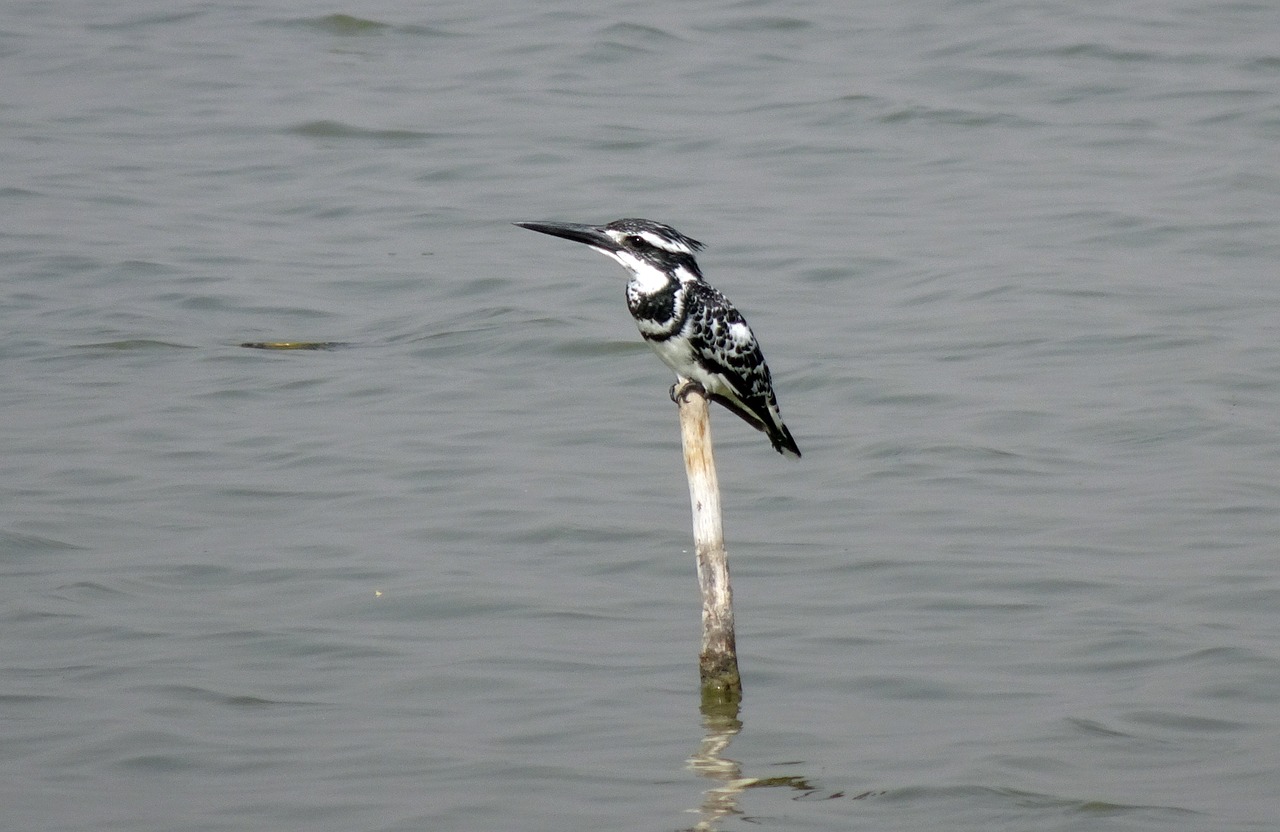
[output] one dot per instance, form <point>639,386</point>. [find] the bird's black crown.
<point>641,233</point>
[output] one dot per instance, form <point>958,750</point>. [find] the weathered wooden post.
<point>718,662</point>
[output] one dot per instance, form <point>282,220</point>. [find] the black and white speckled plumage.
<point>692,327</point>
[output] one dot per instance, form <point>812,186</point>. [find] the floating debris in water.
<point>294,345</point>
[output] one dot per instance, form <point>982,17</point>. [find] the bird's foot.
<point>685,387</point>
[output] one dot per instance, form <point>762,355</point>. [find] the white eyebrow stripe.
<point>658,241</point>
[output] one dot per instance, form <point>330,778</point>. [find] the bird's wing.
<point>726,344</point>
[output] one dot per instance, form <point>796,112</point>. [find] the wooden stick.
<point>718,662</point>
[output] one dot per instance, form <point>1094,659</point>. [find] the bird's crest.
<point>655,234</point>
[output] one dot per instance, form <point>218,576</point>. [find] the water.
<point>1013,266</point>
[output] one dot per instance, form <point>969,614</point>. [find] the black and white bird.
<point>690,325</point>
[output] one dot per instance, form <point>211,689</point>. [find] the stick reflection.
<point>721,724</point>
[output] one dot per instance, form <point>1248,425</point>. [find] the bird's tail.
<point>782,441</point>
<point>766,423</point>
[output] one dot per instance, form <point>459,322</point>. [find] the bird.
<point>692,327</point>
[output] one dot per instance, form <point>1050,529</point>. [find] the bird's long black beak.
<point>579,233</point>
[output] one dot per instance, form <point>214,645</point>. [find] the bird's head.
<point>642,246</point>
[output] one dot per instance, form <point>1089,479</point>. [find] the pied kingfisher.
<point>691,326</point>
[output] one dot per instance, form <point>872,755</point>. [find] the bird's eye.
<point>636,241</point>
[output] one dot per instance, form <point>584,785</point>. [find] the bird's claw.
<point>683,388</point>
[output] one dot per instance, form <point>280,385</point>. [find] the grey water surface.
<point>1014,266</point>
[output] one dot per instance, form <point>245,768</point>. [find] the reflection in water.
<point>721,724</point>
